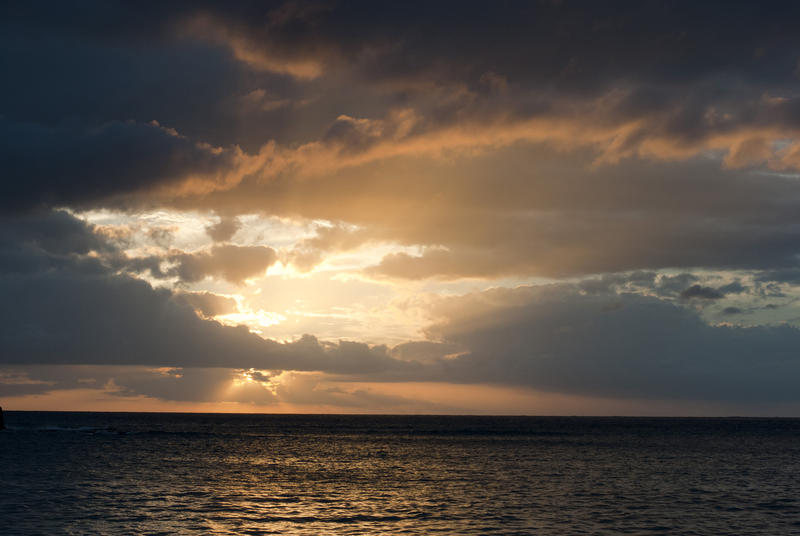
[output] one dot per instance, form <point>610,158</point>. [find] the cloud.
<point>228,262</point>
<point>73,310</point>
<point>254,47</point>
<point>315,389</point>
<point>222,386</point>
<point>164,383</point>
<point>671,108</point>
<point>53,166</point>
<point>381,42</point>
<point>555,152</point>
<point>562,243</point>
<point>207,304</point>
<point>503,164</point>
<point>71,317</point>
<point>49,241</point>
<point>310,252</point>
<point>617,282</point>
<point>786,275</point>
<point>232,263</point>
<point>56,233</point>
<point>673,285</point>
<point>69,307</point>
<point>82,65</point>
<point>224,229</point>
<point>554,338</point>
<point>189,384</point>
<point>702,293</point>
<point>405,77</point>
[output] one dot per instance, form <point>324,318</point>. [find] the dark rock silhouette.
<point>2,423</point>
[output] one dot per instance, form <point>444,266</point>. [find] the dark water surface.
<point>136,473</point>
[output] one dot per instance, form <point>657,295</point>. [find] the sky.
<point>542,207</point>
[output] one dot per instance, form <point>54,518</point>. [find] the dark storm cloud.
<point>97,62</point>
<point>662,41</point>
<point>55,233</point>
<point>634,37</point>
<point>49,241</point>
<point>72,165</point>
<point>556,339</point>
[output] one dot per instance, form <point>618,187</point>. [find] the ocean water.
<point>136,473</point>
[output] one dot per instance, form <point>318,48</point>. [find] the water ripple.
<point>309,475</point>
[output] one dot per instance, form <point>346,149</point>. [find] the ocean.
<point>140,473</point>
